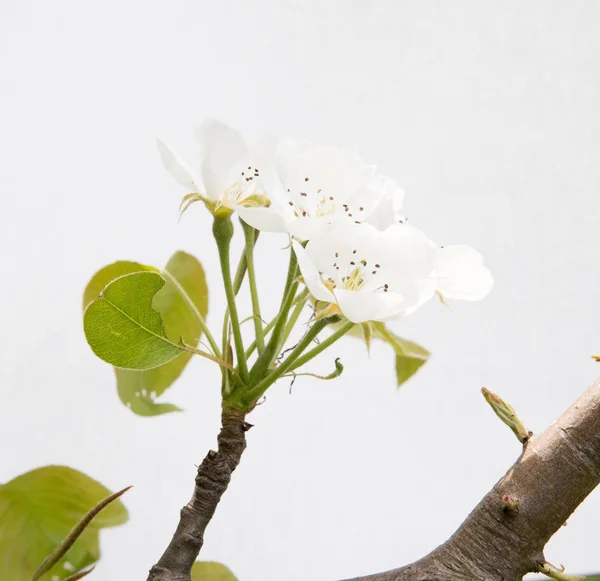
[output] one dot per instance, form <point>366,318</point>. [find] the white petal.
<point>305,228</point>
<point>415,295</point>
<point>460,273</point>
<point>264,219</point>
<point>311,275</point>
<point>405,254</point>
<point>360,307</point>
<point>388,207</point>
<point>223,155</point>
<point>177,168</point>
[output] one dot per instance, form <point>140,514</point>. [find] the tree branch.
<point>212,480</point>
<point>504,537</point>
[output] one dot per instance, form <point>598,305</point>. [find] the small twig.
<point>507,414</point>
<point>75,533</point>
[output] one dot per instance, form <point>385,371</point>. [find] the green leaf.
<point>123,329</point>
<point>182,303</point>
<point>109,273</point>
<point>37,511</point>
<point>410,356</point>
<point>211,571</point>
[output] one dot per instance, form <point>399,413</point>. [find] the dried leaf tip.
<point>557,573</point>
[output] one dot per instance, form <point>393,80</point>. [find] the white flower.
<point>374,275</point>
<point>311,185</point>
<point>371,275</point>
<point>228,178</point>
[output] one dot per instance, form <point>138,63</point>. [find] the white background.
<point>486,112</point>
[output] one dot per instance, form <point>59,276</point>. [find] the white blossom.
<point>312,185</point>
<point>373,275</point>
<point>227,178</point>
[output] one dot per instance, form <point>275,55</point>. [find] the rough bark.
<point>212,479</point>
<point>498,542</point>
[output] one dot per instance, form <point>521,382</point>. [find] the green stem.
<point>262,364</point>
<point>240,273</point>
<point>323,345</point>
<point>253,394</point>
<point>223,233</point>
<point>267,328</point>
<point>299,301</point>
<point>258,328</point>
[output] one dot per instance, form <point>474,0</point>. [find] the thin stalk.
<point>322,345</point>
<point>299,297</point>
<point>267,328</point>
<point>262,364</point>
<point>258,327</point>
<point>300,301</point>
<point>240,273</point>
<point>223,232</point>
<point>256,392</point>
<point>226,386</point>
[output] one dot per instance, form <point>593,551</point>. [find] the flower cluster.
<point>357,255</point>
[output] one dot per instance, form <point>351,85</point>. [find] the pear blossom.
<point>370,275</point>
<point>227,179</point>
<point>373,275</point>
<point>311,185</point>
